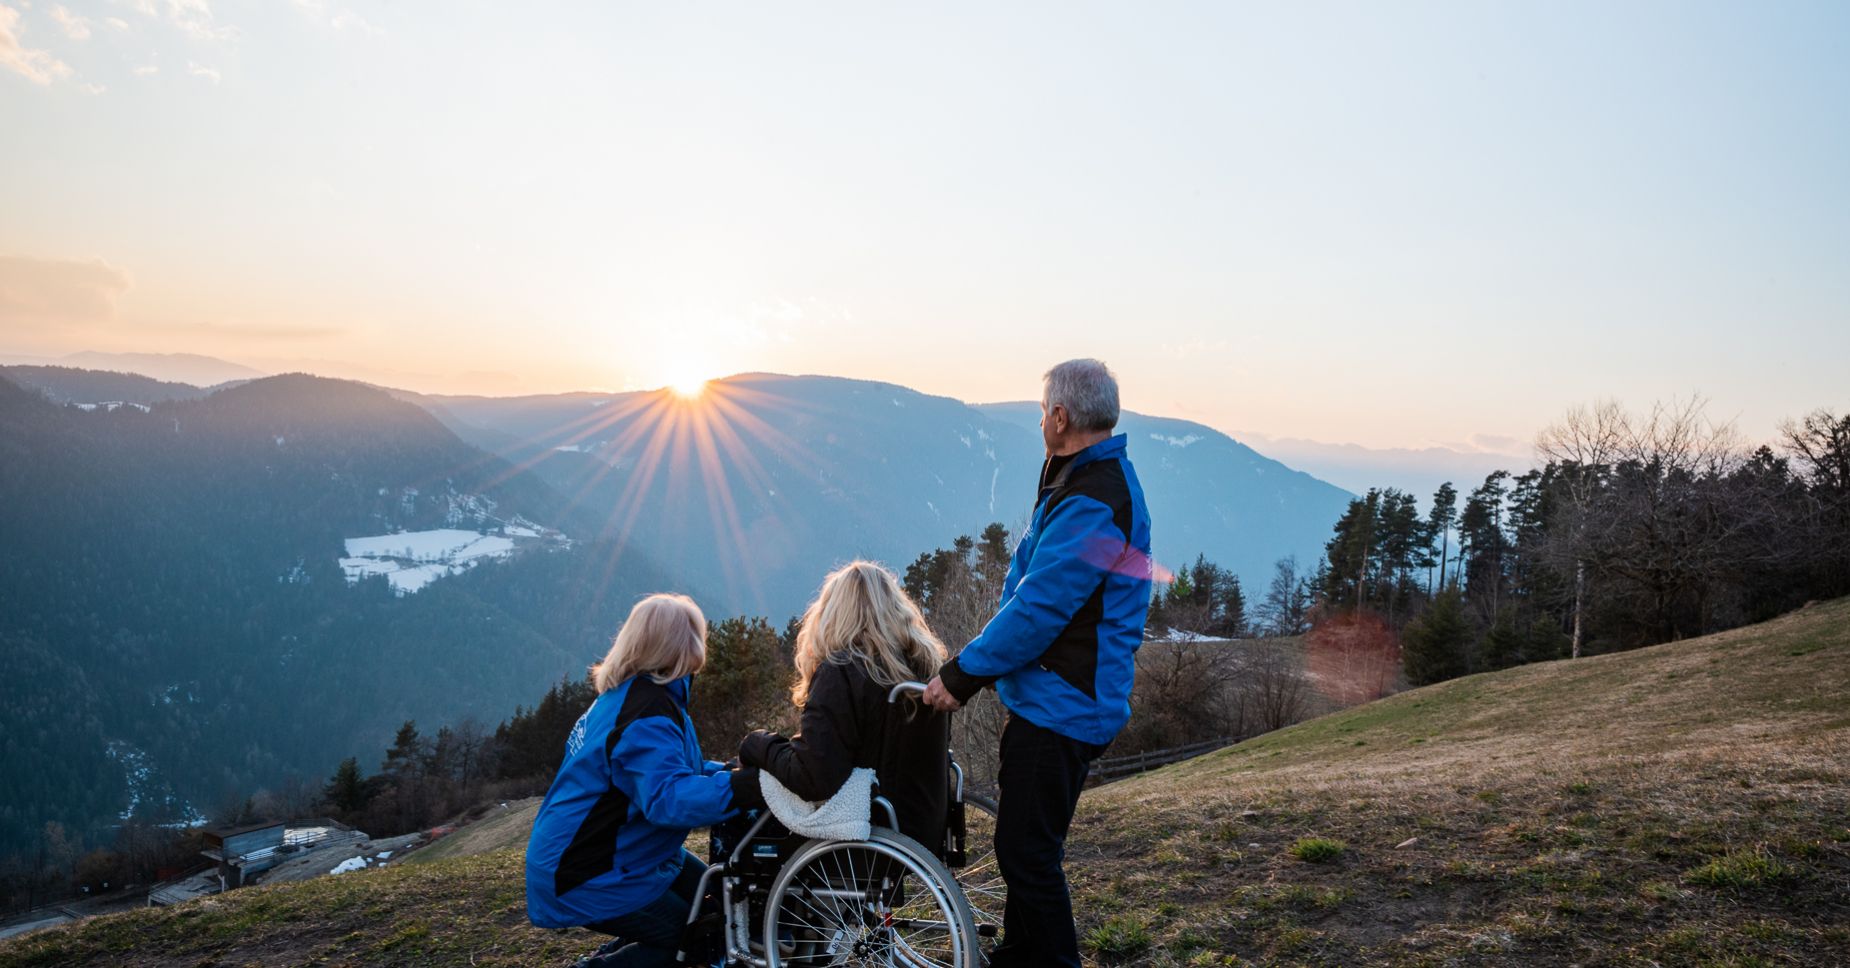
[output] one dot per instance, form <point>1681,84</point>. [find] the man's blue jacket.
<point>1063,648</point>
<point>608,836</point>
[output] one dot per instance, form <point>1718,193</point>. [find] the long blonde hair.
<point>665,638</point>
<point>862,612</point>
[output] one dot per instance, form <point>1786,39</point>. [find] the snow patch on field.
<point>410,560</point>
<point>442,544</point>
<point>1177,441</point>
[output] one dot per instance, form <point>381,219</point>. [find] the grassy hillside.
<point>1686,804</point>
<point>1682,805</point>
<point>500,828</point>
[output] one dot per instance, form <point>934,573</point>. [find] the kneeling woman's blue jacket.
<point>608,836</point>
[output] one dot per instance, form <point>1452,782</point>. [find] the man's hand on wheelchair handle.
<point>940,698</point>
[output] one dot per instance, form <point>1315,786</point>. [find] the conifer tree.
<point>1351,551</point>
<point>407,754</point>
<point>346,791</point>
<point>993,554</point>
<point>1439,522</point>
<point>744,685</point>
<point>1433,646</point>
<point>1230,609</point>
<point>1482,542</point>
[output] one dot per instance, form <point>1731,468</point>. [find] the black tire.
<point>881,901</point>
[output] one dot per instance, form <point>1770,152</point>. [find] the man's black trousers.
<point>1041,775</point>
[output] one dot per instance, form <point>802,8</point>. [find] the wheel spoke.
<point>867,903</point>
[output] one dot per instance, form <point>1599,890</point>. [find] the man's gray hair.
<point>1087,389</point>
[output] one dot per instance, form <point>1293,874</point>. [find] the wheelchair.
<point>771,899</point>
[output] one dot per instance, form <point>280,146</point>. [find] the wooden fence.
<point>1109,768</point>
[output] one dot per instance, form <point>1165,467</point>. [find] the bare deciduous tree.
<point>1585,442</point>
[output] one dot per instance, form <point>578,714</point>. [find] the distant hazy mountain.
<point>68,384</point>
<point>805,472</point>
<point>178,622</point>
<point>1210,494</point>
<point>203,371</point>
<point>1418,471</point>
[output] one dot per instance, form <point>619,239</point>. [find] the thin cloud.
<point>199,70</point>
<point>342,19</point>
<point>195,18</point>
<point>146,69</point>
<point>75,27</point>
<point>116,22</point>
<point>94,88</point>
<point>37,66</point>
<point>59,290</point>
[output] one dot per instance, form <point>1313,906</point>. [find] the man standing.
<point>1061,652</point>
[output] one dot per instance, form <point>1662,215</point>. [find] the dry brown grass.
<point>1556,812</point>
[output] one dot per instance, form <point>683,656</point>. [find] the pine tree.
<point>993,554</point>
<point>1433,646</point>
<point>407,754</point>
<point>1231,609</point>
<point>1439,522</point>
<point>1482,543</point>
<point>346,791</point>
<point>744,685</point>
<point>1503,644</point>
<point>1398,536</point>
<point>1351,551</point>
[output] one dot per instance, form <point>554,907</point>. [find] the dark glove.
<point>755,748</point>
<point>746,794</point>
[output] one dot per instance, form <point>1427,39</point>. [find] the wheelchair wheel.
<point>980,878</point>
<point>881,901</point>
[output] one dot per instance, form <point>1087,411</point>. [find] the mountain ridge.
<point>1207,500</point>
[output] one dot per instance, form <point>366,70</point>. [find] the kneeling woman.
<point>860,637</point>
<point>606,847</point>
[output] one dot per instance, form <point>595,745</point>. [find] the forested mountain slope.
<point>69,384</point>
<point>178,627</point>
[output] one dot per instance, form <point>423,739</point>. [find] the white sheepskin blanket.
<point>844,816</point>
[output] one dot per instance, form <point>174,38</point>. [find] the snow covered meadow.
<point>410,560</point>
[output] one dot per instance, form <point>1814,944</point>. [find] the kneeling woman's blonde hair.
<point>862,611</point>
<point>665,638</point>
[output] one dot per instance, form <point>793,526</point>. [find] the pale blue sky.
<point>1394,224</point>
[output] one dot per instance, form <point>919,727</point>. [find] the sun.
<point>687,379</point>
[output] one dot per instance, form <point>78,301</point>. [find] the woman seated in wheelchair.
<point>606,851</point>
<point>861,636</point>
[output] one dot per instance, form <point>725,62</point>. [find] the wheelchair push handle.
<point>904,687</point>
